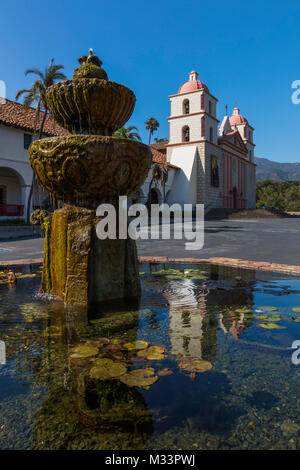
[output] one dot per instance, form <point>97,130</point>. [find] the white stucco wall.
<point>194,123</point>
<point>177,103</point>
<point>184,187</point>
<point>13,186</point>
<point>12,152</point>
<point>15,171</point>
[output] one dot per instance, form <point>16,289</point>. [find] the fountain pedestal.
<point>81,268</point>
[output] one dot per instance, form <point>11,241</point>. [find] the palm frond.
<point>20,93</point>
<point>126,133</point>
<point>35,72</point>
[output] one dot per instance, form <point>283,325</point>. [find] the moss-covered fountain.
<point>82,170</point>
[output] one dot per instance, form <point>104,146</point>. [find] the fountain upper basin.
<point>90,105</point>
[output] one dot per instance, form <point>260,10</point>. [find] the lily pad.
<point>261,317</point>
<point>194,364</point>
<point>83,351</point>
<point>181,273</point>
<point>99,372</point>
<point>268,308</point>
<point>273,318</point>
<point>117,369</point>
<point>139,345</point>
<point>270,326</point>
<point>164,371</point>
<point>141,378</point>
<point>296,309</point>
<point>155,357</point>
<point>107,369</point>
<point>153,353</point>
<point>142,373</point>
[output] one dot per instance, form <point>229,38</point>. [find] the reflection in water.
<point>244,399</point>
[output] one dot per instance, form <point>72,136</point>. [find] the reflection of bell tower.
<point>187,313</point>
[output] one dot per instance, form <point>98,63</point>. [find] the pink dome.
<point>237,118</point>
<point>193,84</point>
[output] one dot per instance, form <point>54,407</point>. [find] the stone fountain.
<point>82,170</point>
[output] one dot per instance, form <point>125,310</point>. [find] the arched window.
<point>3,190</point>
<point>211,134</point>
<point>185,134</point>
<point>209,107</point>
<point>186,107</point>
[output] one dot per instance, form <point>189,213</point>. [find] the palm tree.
<point>127,133</point>
<point>37,95</point>
<point>159,175</point>
<point>160,139</point>
<point>151,125</point>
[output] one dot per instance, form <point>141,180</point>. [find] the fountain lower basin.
<point>95,166</point>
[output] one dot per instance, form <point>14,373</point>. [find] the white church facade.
<point>208,164</point>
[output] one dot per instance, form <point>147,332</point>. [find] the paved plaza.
<point>269,240</point>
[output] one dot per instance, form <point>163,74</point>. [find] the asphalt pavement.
<point>271,240</point>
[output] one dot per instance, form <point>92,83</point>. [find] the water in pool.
<point>203,362</point>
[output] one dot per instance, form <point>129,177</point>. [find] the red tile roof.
<point>161,146</point>
<point>160,157</point>
<point>12,114</point>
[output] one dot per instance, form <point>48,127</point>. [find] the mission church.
<point>207,163</point>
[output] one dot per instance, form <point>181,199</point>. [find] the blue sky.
<point>248,54</point>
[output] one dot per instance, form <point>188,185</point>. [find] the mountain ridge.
<point>269,170</point>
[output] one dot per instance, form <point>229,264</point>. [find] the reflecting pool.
<point>203,362</point>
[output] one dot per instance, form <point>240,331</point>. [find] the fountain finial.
<point>90,59</point>
<point>90,67</point>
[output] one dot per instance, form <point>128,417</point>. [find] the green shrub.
<point>282,195</point>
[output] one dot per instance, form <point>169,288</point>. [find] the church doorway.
<point>153,196</point>
<point>234,193</point>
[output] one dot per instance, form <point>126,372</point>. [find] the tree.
<point>164,139</point>
<point>278,195</point>
<point>127,133</point>
<point>159,175</point>
<point>37,95</point>
<point>151,125</point>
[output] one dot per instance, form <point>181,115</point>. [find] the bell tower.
<point>193,114</point>
<point>239,122</point>
<point>193,145</point>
